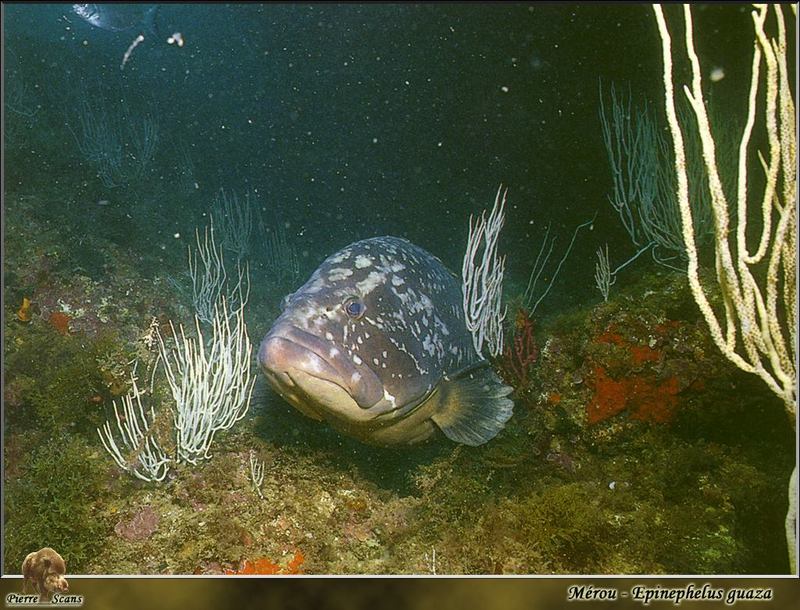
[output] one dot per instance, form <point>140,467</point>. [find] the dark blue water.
<point>361,120</point>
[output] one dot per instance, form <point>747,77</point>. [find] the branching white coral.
<point>211,383</point>
<point>483,283</point>
<point>149,462</point>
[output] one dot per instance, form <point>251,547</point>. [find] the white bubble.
<point>176,39</point>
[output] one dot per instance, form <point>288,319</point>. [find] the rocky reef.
<point>635,447</point>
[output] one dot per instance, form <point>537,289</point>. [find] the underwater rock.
<point>140,527</point>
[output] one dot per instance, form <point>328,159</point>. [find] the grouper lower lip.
<point>287,350</point>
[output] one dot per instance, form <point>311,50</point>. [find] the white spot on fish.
<point>356,359</point>
<point>315,286</point>
<point>372,281</point>
<point>312,365</point>
<point>363,261</point>
<point>390,398</point>
<point>339,273</point>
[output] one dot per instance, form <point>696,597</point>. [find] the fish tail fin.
<point>471,409</point>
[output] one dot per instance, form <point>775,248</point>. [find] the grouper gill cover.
<point>375,343</point>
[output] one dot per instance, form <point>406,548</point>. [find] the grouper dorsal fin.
<point>472,407</point>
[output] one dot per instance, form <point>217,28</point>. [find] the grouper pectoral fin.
<point>472,407</point>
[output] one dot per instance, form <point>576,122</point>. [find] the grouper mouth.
<point>317,377</point>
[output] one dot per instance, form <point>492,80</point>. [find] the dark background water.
<point>360,120</point>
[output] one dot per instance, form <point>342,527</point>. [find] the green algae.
<point>56,501</point>
<point>73,376</point>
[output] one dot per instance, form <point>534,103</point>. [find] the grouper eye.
<point>354,308</point>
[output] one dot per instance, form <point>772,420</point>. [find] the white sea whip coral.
<point>208,281</point>
<point>483,285</point>
<point>211,383</point>
<point>756,327</point>
<point>150,462</point>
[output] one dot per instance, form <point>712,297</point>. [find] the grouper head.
<point>368,337</point>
